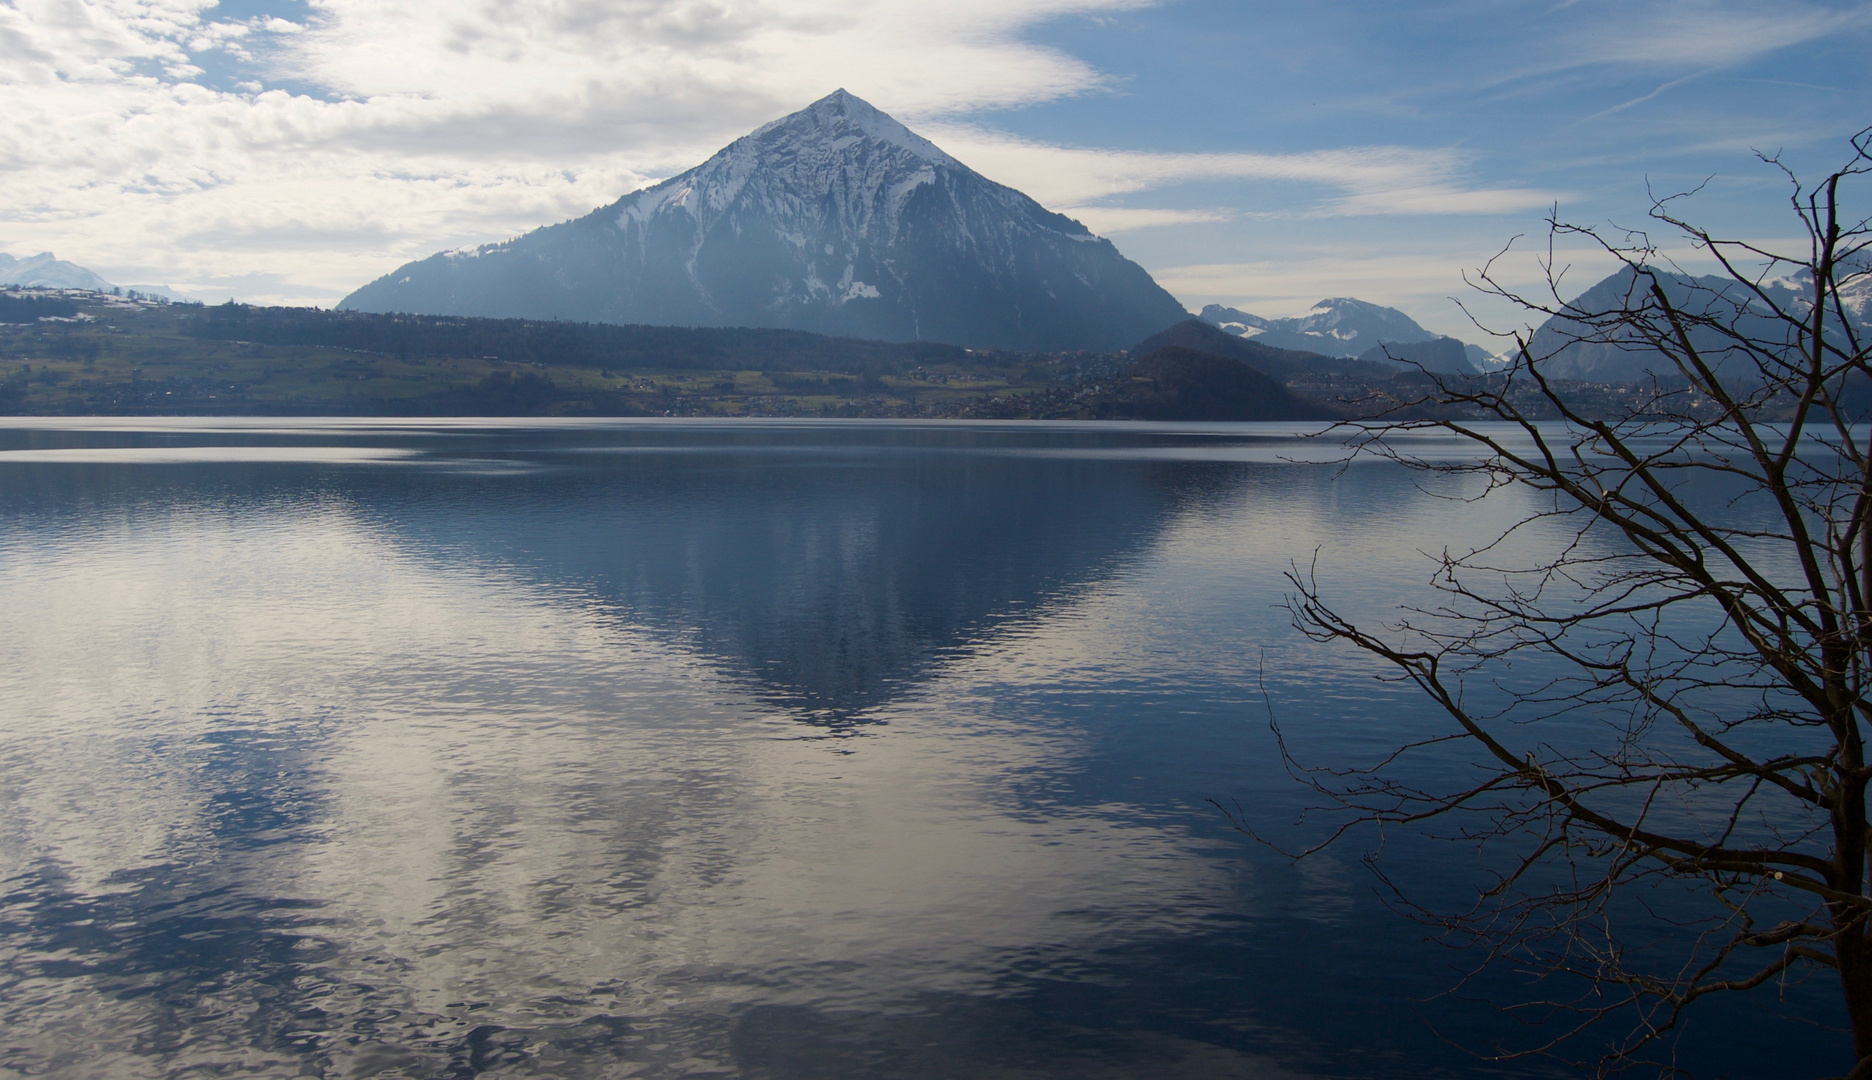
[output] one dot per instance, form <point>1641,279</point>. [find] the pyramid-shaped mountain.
<point>836,219</point>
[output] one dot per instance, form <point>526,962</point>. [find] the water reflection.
<point>485,756</point>
<point>397,813</point>
<point>830,582</point>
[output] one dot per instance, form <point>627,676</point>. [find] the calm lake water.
<point>763,749</point>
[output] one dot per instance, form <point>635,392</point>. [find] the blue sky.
<point>1258,154</point>
<point>1587,102</point>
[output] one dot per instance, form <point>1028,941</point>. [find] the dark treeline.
<point>596,345</point>
<point>28,309</point>
<point>1177,383</point>
<point>506,394</point>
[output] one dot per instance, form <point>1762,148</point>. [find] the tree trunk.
<point>1854,954</point>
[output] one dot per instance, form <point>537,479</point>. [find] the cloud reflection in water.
<point>677,749</point>
<point>298,774</point>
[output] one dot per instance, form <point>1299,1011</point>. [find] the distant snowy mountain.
<point>1236,322</point>
<point>1856,297</point>
<point>162,292</point>
<point>1444,355</point>
<point>1483,360</point>
<point>1855,289</point>
<point>1343,326</point>
<point>1575,345</point>
<point>45,272</point>
<point>1340,326</point>
<point>836,219</point>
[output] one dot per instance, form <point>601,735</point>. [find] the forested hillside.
<point>75,353</point>
<point>527,341</point>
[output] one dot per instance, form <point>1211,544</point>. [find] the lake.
<point>671,748</point>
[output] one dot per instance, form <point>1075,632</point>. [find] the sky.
<point>1260,155</point>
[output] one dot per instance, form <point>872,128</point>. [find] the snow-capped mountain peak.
<point>842,115</point>
<point>1353,321</point>
<point>1235,321</point>
<point>49,272</point>
<point>839,153</point>
<point>1336,326</point>
<point>836,219</point>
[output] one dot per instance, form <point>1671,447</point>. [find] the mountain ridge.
<point>46,271</point>
<point>1335,326</point>
<point>1347,326</point>
<point>1582,343</point>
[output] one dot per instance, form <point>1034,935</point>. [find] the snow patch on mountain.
<point>837,165</point>
<point>846,119</point>
<point>1337,326</point>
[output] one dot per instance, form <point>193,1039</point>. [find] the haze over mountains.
<point>836,219</point>
<point>45,271</point>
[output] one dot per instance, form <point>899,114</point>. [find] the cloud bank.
<point>151,137</point>
<point>1345,182</point>
<point>290,159</point>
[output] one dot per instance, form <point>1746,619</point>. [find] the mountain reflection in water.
<point>461,750</point>
<point>828,583</point>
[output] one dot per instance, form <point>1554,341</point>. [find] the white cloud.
<point>340,623</point>
<point>1425,281</point>
<point>1343,182</point>
<point>1106,220</point>
<point>372,133</point>
<point>1701,33</point>
<point>1275,287</point>
<point>392,131</point>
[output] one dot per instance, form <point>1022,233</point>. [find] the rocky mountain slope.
<point>836,219</point>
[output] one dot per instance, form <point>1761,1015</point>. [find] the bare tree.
<point>1662,716</point>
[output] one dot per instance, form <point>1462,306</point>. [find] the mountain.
<point>1204,337</point>
<point>1444,356</point>
<point>1234,320</point>
<point>42,271</point>
<point>836,219</point>
<point>160,292</point>
<point>1583,345</point>
<point>1856,296</point>
<point>1483,360</point>
<point>1340,326</point>
<point>1179,383</point>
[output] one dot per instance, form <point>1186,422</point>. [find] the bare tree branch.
<point>1689,714</point>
